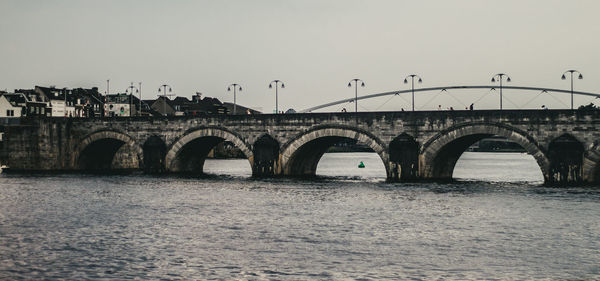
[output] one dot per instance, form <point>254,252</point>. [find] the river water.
<point>497,222</point>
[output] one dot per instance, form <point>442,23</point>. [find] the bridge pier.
<point>565,154</point>
<point>155,150</point>
<point>404,159</point>
<point>266,160</point>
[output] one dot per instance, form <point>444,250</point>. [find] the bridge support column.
<point>566,161</point>
<point>267,159</point>
<point>266,167</point>
<point>404,159</point>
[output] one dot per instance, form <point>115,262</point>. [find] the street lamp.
<point>499,76</point>
<point>140,89</point>
<point>362,84</point>
<point>276,98</point>
<point>130,91</point>
<point>164,91</point>
<point>235,88</point>
<point>563,78</point>
<point>412,78</point>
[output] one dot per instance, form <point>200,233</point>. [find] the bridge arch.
<point>301,155</point>
<point>440,153</point>
<point>591,163</point>
<point>189,152</point>
<point>107,150</point>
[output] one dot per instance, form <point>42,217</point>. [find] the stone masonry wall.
<point>54,143</point>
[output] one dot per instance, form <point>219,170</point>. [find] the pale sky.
<point>315,47</point>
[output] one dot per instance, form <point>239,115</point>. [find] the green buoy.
<point>361,164</point>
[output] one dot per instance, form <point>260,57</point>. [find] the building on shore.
<point>12,105</point>
<point>65,102</point>
<point>80,102</point>
<point>162,105</point>
<point>198,106</point>
<point>123,105</point>
<point>239,109</point>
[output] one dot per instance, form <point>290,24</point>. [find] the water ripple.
<point>214,228</point>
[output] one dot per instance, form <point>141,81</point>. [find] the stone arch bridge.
<point>412,145</point>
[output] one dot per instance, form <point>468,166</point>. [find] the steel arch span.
<point>446,88</point>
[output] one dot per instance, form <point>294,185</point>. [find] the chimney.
<point>197,98</point>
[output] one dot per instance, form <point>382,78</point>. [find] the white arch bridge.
<point>422,145</point>
<point>433,89</point>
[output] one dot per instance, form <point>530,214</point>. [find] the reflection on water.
<point>498,167</point>
<point>343,227</point>
<point>472,166</point>
<point>346,165</point>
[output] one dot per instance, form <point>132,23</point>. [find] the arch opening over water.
<point>227,160</point>
<point>108,151</point>
<point>441,154</point>
<point>189,153</point>
<point>497,159</point>
<point>99,155</point>
<point>302,156</point>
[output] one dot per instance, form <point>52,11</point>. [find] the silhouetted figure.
<point>451,108</point>
<point>471,107</point>
<point>440,107</point>
<point>401,109</point>
<point>344,110</point>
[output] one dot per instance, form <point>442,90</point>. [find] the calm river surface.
<point>346,224</point>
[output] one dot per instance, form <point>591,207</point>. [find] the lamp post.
<point>140,89</point>
<point>164,91</point>
<point>412,78</point>
<point>579,77</point>
<point>499,76</point>
<point>65,107</point>
<point>276,98</point>
<point>362,84</point>
<point>235,88</point>
<point>130,90</point>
